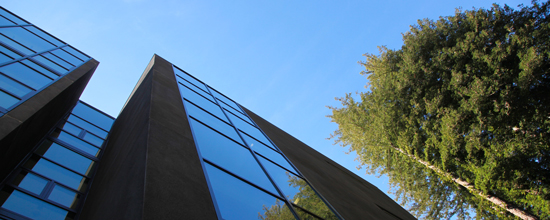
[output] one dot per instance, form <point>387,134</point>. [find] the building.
<point>179,149</point>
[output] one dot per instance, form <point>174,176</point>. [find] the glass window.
<point>76,53</point>
<point>239,200</point>
<point>195,88</point>
<point>50,64</point>
<point>193,96</point>
<point>229,155</point>
<point>237,113</point>
<point>5,22</point>
<point>40,68</point>
<point>45,35</point>
<point>6,100</point>
<point>64,196</point>
<point>87,126</point>
<point>57,173</point>
<point>33,208</point>
<point>65,157</point>
<point>250,130</point>
<point>226,100</point>
<point>190,79</point>
<point>25,75</point>
<point>13,86</point>
<point>95,140</point>
<point>68,127</point>
<point>272,155</point>
<point>209,106</point>
<point>89,114</point>
<point>26,38</point>
<point>9,52</point>
<point>77,143</point>
<point>211,121</point>
<point>30,182</point>
<point>66,56</point>
<point>4,58</point>
<point>55,59</point>
<point>12,17</point>
<point>238,122</point>
<point>286,181</point>
<point>15,45</point>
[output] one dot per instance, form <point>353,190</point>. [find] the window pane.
<point>57,173</point>
<point>68,127</point>
<point>250,130</point>
<point>11,17</point>
<point>40,68</point>
<point>194,88</point>
<point>87,126</point>
<point>89,114</point>
<point>32,207</point>
<point>15,45</point>
<point>9,52</point>
<point>66,56</point>
<point>192,96</point>
<point>95,140</point>
<point>26,38</point>
<point>190,79</point>
<point>229,155</point>
<point>57,60</point>
<point>13,86</point>
<point>50,64</point>
<point>210,107</point>
<point>77,143</point>
<point>285,180</point>
<point>64,196</point>
<point>76,53</point>
<point>237,113</point>
<point>6,100</point>
<point>273,156</point>
<point>4,58</point>
<point>44,35</point>
<point>239,200</point>
<point>5,22</point>
<point>30,182</point>
<point>226,100</point>
<point>25,75</point>
<point>66,157</point>
<point>211,121</point>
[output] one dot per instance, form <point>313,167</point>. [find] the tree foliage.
<point>468,94</point>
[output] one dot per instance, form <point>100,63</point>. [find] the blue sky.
<point>284,60</point>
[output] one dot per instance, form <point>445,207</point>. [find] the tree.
<point>468,97</point>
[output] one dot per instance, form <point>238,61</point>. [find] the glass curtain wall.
<point>248,176</point>
<point>53,181</point>
<point>30,60</point>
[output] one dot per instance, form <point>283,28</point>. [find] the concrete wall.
<point>349,194</point>
<point>150,168</point>
<point>23,127</point>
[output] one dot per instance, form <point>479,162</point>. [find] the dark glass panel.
<point>33,208</point>
<point>211,121</point>
<point>229,155</point>
<point>77,143</point>
<point>40,69</point>
<point>76,53</point>
<point>65,157</point>
<point>44,35</point>
<point>87,126</point>
<point>208,106</point>
<point>190,79</point>
<point>57,173</point>
<point>6,100</point>
<point>13,86</point>
<point>68,127</point>
<point>89,114</point>
<point>26,38</point>
<point>5,22</point>
<point>193,96</point>
<point>66,56</point>
<point>9,52</point>
<point>30,182</point>
<point>55,59</point>
<point>15,45</point>
<point>51,64</point>
<point>12,17</point>
<point>239,200</point>
<point>25,75</point>
<point>64,196</point>
<point>95,140</point>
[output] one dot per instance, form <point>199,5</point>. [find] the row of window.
<point>53,181</point>
<point>30,59</point>
<point>248,175</point>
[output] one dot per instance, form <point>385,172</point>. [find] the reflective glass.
<point>95,140</point>
<point>30,182</point>
<point>194,88</point>
<point>13,86</point>
<point>287,182</point>
<point>87,126</point>
<point>12,17</point>
<point>238,122</point>
<point>55,59</point>
<point>193,96</point>
<point>26,38</point>
<point>226,100</point>
<point>66,56</point>
<point>15,45</point>
<point>237,113</point>
<point>273,156</point>
<point>190,79</point>
<point>6,100</point>
<point>239,200</point>
<point>64,196</point>
<point>210,107</point>
<point>89,114</point>
<point>32,207</point>
<point>40,68</point>
<point>76,53</point>
<point>5,22</point>
<point>211,121</point>
<point>57,173</point>
<point>68,127</point>
<point>9,52</point>
<point>50,64</point>
<point>65,157</point>
<point>77,143</point>
<point>25,75</point>
<point>4,58</point>
<point>250,130</point>
<point>229,155</point>
<point>44,35</point>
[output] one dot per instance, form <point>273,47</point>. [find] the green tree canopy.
<point>468,96</point>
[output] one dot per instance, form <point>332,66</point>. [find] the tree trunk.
<point>495,200</point>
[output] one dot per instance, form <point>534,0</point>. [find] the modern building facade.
<point>179,149</point>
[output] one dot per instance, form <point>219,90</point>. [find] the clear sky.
<point>284,60</point>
